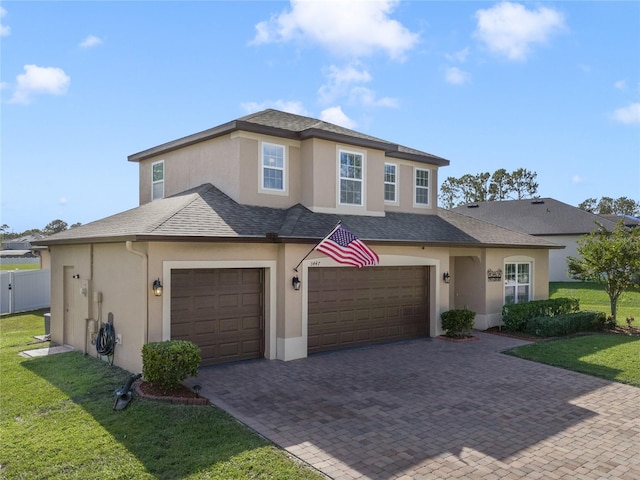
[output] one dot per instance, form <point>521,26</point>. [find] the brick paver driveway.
<point>434,409</point>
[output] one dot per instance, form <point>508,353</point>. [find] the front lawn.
<point>57,422</point>
<point>613,357</point>
<point>19,266</point>
<point>593,297</point>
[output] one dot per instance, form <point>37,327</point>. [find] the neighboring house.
<point>21,243</point>
<point>229,216</point>
<point>544,218</point>
<point>628,220</point>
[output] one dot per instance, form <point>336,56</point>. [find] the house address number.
<point>494,275</point>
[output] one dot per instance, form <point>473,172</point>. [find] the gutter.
<point>145,279</point>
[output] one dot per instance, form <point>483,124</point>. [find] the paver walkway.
<point>429,409</point>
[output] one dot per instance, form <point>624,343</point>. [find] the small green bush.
<point>457,323</point>
<point>516,315</point>
<point>167,364</point>
<point>566,324</point>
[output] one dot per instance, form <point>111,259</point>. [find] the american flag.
<point>344,247</point>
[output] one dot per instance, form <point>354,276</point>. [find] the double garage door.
<point>350,307</point>
<point>222,310</point>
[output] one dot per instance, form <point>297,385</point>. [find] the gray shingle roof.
<point>540,216</point>
<point>289,125</point>
<point>208,214</point>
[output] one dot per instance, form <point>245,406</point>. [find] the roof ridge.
<point>190,195</point>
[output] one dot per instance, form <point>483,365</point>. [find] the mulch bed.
<point>469,338</point>
<point>182,395</point>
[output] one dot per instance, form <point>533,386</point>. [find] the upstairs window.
<point>390,182</point>
<point>273,164</point>
<point>351,174</point>
<point>421,186</point>
<point>517,282</point>
<point>157,180</point>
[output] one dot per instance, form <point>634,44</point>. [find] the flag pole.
<point>295,269</point>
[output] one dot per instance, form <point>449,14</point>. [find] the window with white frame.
<point>390,182</point>
<point>351,175</point>
<point>517,282</point>
<point>421,186</point>
<point>157,180</point>
<point>273,167</point>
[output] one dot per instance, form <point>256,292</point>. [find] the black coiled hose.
<point>106,341</point>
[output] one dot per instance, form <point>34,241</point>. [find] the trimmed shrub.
<point>167,364</point>
<point>457,323</point>
<point>515,316</point>
<point>566,324</point>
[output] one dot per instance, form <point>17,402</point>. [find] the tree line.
<point>50,228</point>
<point>519,185</point>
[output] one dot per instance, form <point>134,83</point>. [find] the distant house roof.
<point>297,127</point>
<point>628,220</point>
<point>539,216</point>
<point>206,214</point>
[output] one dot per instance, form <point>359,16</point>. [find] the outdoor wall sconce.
<point>446,278</point>
<point>157,288</point>
<point>295,283</point>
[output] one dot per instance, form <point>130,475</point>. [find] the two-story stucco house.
<point>227,215</point>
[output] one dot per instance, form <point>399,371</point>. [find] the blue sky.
<point>553,87</point>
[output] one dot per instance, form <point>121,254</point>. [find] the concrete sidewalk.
<point>429,409</point>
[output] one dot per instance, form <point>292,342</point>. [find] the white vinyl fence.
<point>23,290</point>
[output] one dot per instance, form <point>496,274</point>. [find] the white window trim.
<point>153,183</point>
<point>285,173</point>
<point>361,180</point>
<point>518,259</point>
<point>428,187</point>
<point>395,184</point>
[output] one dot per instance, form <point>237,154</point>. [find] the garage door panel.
<point>220,310</point>
<point>369,305</point>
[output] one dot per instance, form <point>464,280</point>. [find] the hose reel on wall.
<point>106,339</point>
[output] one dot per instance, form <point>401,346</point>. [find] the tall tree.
<point>523,184</point>
<point>609,258</point>
<point>499,187</point>
<point>55,226</point>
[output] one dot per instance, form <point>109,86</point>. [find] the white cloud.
<point>510,29</point>
<point>456,76</point>
<point>40,80</point>
<point>353,28</point>
<point>284,105</point>
<point>337,116</point>
<point>340,80</point>
<point>4,30</point>
<point>460,56</point>
<point>628,115</point>
<point>346,82</point>
<point>63,200</point>
<point>620,85</point>
<point>90,41</point>
<point>578,179</point>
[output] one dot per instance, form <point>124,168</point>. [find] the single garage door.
<point>358,306</point>
<point>221,311</point>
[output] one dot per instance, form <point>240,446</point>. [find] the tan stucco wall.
<point>558,271</point>
<point>232,163</point>
<point>124,279</point>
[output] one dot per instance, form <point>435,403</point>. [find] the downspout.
<point>145,285</point>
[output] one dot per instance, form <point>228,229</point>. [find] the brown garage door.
<point>221,311</point>
<point>358,306</point>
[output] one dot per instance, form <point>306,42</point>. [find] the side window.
<point>517,282</point>
<point>157,180</point>
<point>390,182</point>
<point>351,175</point>
<point>421,186</point>
<point>273,167</point>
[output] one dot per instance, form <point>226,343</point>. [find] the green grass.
<point>593,297</point>
<point>57,422</point>
<point>19,266</point>
<point>613,357</point>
